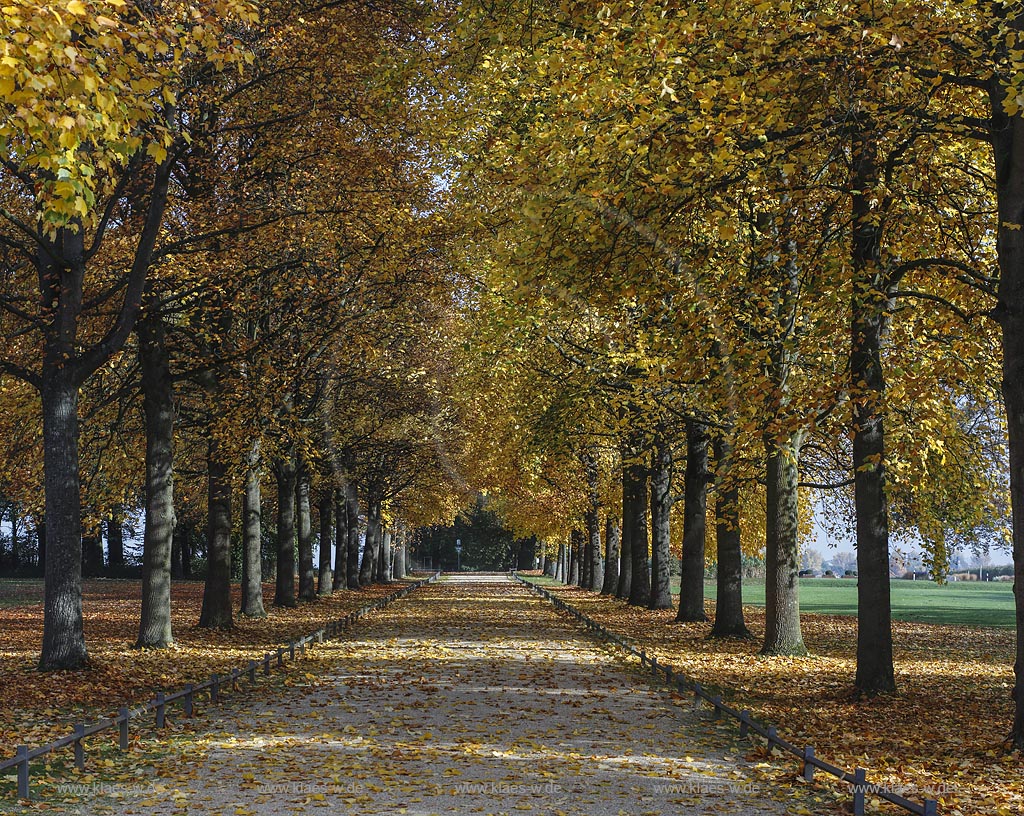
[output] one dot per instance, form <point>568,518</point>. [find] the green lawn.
<point>959,604</point>
<point>962,603</point>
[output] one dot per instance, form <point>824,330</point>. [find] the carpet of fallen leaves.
<point>940,737</point>
<point>466,697</point>
<point>36,708</point>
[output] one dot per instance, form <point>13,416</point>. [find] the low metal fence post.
<point>79,748</point>
<point>189,690</point>
<point>860,778</point>
<point>808,767</point>
<point>22,756</point>
<point>123,715</point>
<point>160,705</point>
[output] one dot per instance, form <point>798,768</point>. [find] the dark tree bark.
<point>386,556</point>
<point>188,551</point>
<point>1008,150</point>
<point>67,362</point>
<point>307,578</point>
<point>325,578</point>
<point>285,472</point>
<point>352,514</point>
<point>625,539</point>
<point>115,538</point>
<point>729,620</point>
<point>216,612</point>
<point>178,547</point>
<point>870,307</point>
<point>401,542</point>
<point>783,635</point>
<point>63,634</point>
<point>372,544</point>
<point>340,541</point>
<point>252,541</point>
<point>585,554</point>
<point>575,540</point>
<point>634,502</point>
<point>595,558</point>
<point>92,554</point>
<point>611,556</point>
<point>661,538</point>
<point>695,504</point>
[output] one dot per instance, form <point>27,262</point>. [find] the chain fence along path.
<point>471,696</point>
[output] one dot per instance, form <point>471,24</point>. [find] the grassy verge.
<point>962,603</point>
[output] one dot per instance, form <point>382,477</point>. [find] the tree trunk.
<point>611,556</point>
<point>782,550</point>
<point>63,635</point>
<point>307,578</point>
<point>340,541</point>
<point>1008,148</point>
<point>575,539</point>
<point>352,515</point>
<point>661,539</point>
<point>41,543</point>
<point>385,548</point>
<point>625,541</point>
<point>372,545</point>
<point>695,505</point>
<point>729,603</point>
<point>216,613</point>
<point>595,560</point>
<point>635,520</point>
<point>115,538</point>
<point>176,566</point>
<point>92,554</point>
<point>325,578</point>
<point>560,563</point>
<point>252,541</point>
<point>401,537</point>
<point>284,594</point>
<point>869,310</point>
<point>586,554</point>
<point>188,552</point>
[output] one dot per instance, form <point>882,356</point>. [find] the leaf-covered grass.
<point>962,603</point>
<point>20,591</point>
<point>941,736</point>
<point>36,707</point>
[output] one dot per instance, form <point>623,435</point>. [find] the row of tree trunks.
<point>252,541</point>
<point>618,564</point>
<point>691,565</point>
<point>325,576</point>
<point>729,603</point>
<point>307,577</point>
<point>661,506</point>
<point>612,532</point>
<point>287,478</point>
<point>158,538</point>
<point>634,524</point>
<point>341,522</point>
<point>216,612</point>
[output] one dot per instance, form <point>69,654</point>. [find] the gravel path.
<point>470,696</point>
